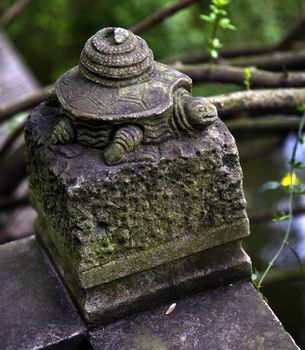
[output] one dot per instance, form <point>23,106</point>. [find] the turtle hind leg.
<point>125,140</point>
<point>63,132</point>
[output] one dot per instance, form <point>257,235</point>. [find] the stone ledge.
<point>233,317</point>
<point>35,310</point>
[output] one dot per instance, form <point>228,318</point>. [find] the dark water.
<point>286,292</point>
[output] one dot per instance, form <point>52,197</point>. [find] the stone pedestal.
<point>167,222</point>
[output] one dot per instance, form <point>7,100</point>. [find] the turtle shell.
<point>117,81</point>
<point>83,99</point>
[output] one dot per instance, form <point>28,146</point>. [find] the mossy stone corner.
<point>137,184</point>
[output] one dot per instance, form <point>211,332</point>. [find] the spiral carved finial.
<point>116,57</point>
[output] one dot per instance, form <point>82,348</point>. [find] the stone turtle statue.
<point>118,97</point>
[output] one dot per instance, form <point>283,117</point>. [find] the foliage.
<point>291,184</point>
<point>247,77</point>
<point>218,18</point>
<point>50,34</point>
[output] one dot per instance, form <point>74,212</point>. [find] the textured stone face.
<point>167,202</point>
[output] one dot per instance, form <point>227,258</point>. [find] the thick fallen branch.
<point>272,101</point>
<point>13,11</point>
<point>235,75</point>
<point>297,33</point>
<point>294,60</point>
<point>24,103</point>
<point>159,16</point>
<point>269,101</point>
<point>201,57</point>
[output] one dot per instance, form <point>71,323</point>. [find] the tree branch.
<point>235,75</point>
<point>269,101</point>
<point>13,11</point>
<point>201,57</point>
<point>159,16</point>
<point>24,103</point>
<point>277,61</point>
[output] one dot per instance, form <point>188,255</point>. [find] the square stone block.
<point>115,230</point>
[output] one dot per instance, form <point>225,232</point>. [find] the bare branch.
<point>201,57</point>
<point>13,11</point>
<point>24,103</point>
<point>159,16</point>
<point>277,61</point>
<point>235,75</point>
<point>297,33</point>
<point>271,101</point>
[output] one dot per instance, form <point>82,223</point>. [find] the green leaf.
<point>299,189</point>
<point>247,77</point>
<point>223,12</point>
<point>271,185</point>
<point>216,43</point>
<point>281,217</point>
<point>214,54</point>
<point>254,276</point>
<point>297,165</point>
<point>302,139</point>
<point>301,107</point>
<point>296,189</point>
<point>206,18</point>
<point>225,24</point>
<point>221,3</point>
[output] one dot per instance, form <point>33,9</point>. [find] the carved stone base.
<point>167,222</point>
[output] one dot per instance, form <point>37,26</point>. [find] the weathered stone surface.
<point>102,223</point>
<point>228,318</point>
<point>35,310</point>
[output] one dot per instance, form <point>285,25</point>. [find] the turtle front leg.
<point>192,114</point>
<point>63,132</point>
<point>125,140</point>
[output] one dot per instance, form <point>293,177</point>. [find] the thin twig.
<point>13,11</point>
<point>159,16</point>
<point>290,206</point>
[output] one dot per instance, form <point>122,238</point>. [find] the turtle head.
<point>200,112</point>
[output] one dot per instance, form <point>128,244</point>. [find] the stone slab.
<point>233,317</point>
<point>35,310</point>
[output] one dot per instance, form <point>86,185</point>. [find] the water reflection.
<point>286,295</point>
